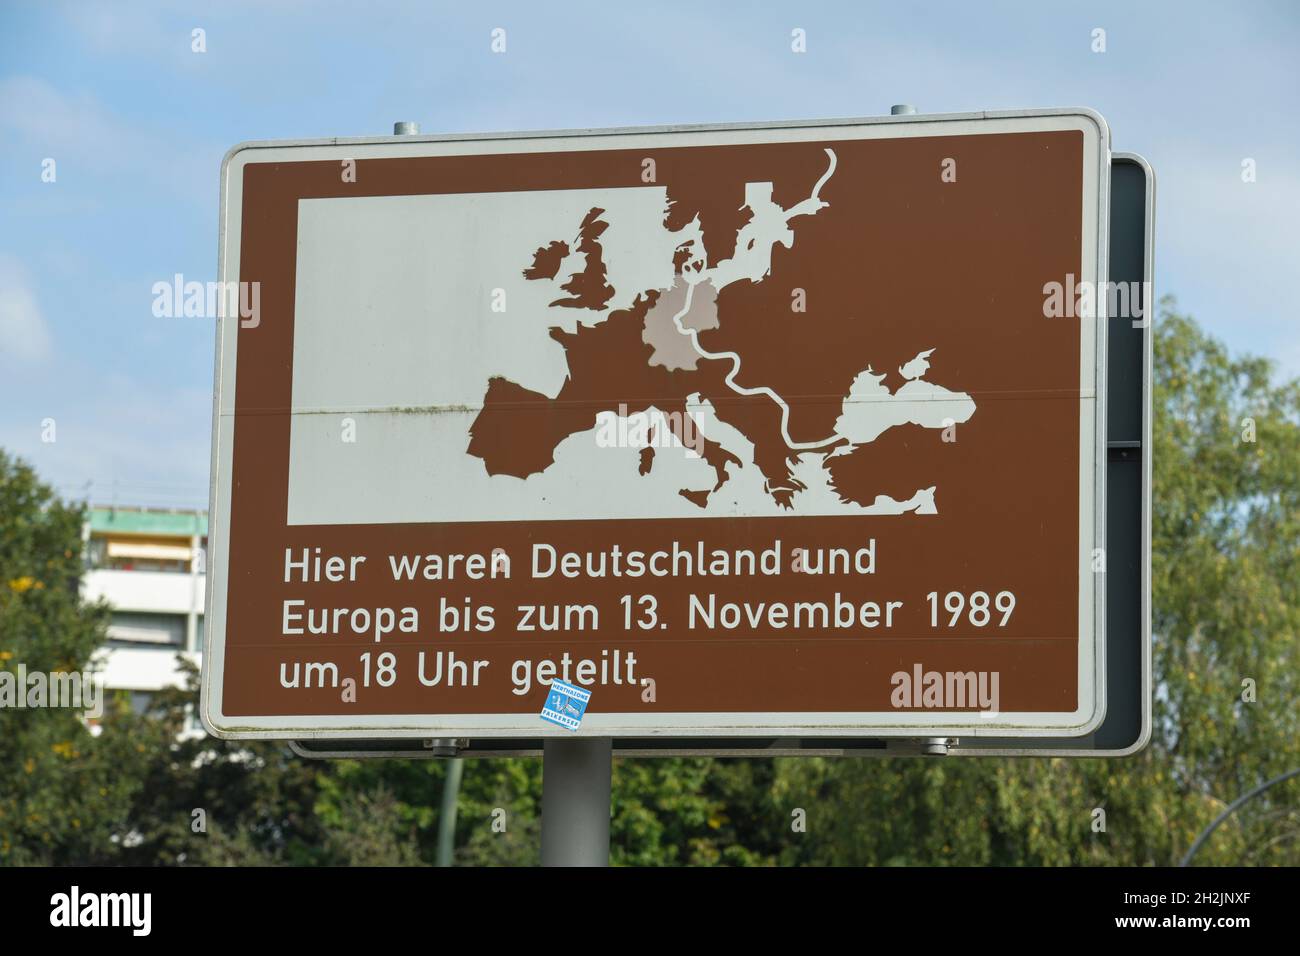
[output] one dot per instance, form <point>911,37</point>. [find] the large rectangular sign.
<point>774,430</point>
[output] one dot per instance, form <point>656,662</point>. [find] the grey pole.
<point>576,775</point>
<point>447,816</point>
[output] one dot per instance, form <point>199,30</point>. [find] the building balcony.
<point>145,669</point>
<point>152,592</point>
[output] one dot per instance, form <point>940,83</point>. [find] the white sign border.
<point>1092,510</point>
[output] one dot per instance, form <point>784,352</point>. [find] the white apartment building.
<point>148,565</point>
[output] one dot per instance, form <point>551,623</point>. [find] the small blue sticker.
<point>565,704</point>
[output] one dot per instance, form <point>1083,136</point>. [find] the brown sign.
<point>745,431</point>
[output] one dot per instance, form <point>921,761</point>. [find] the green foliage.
<point>498,818</point>
<point>1226,585</point>
<point>1226,577</point>
<point>62,794</point>
<point>257,799</point>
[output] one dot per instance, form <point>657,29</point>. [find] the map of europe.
<point>652,377</point>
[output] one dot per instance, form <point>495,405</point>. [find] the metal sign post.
<point>576,777</point>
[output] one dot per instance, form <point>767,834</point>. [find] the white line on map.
<point>754,242</point>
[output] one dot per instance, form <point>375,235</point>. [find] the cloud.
<point>1231,249</point>
<point>35,111</point>
<point>24,334</point>
<point>78,131</point>
<point>124,29</point>
<point>115,437</point>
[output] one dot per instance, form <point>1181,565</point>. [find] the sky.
<point>137,122</point>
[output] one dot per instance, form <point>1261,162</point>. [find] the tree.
<point>219,802</point>
<point>1226,584</point>
<point>64,793</point>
